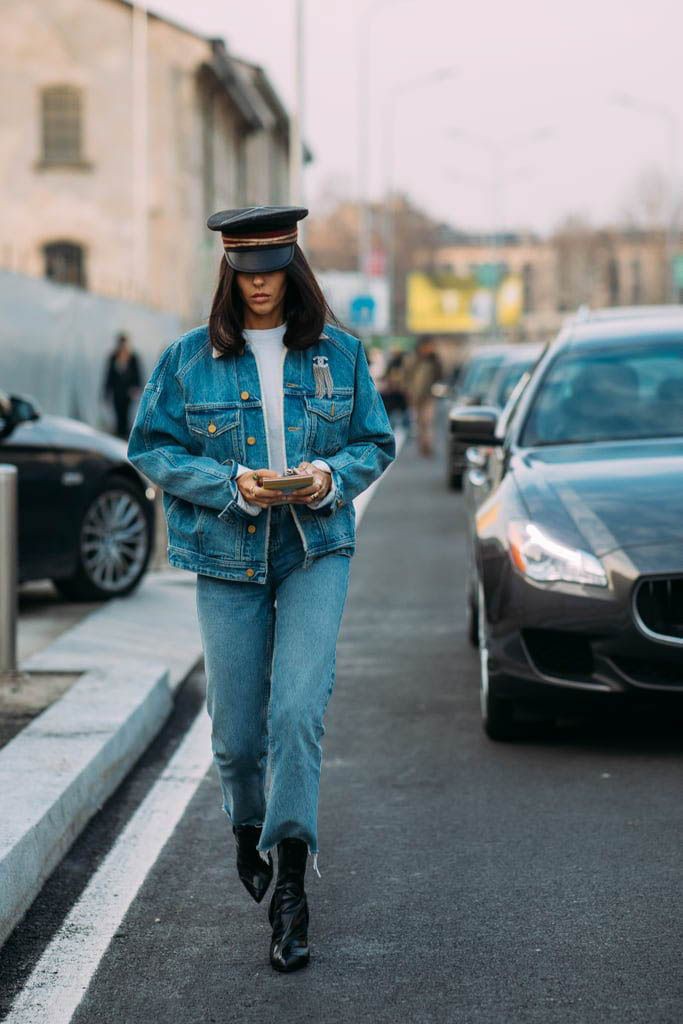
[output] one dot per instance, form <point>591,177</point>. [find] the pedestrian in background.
<point>122,383</point>
<point>424,371</point>
<point>393,388</point>
<point>267,388</point>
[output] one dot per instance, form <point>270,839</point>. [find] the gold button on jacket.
<point>251,440</point>
<point>244,395</point>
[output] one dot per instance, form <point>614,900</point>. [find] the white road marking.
<point>64,971</point>
<point>61,977</point>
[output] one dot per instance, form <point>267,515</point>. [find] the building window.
<point>65,263</point>
<point>62,125</point>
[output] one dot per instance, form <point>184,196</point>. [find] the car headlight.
<point>540,557</point>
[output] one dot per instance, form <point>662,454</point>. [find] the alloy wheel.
<point>114,540</point>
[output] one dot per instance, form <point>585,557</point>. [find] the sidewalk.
<point>44,615</point>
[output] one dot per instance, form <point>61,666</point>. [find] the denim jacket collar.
<point>217,354</point>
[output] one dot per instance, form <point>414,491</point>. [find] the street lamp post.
<point>296,189</point>
<point>672,128</point>
<point>499,151</point>
<point>369,12</point>
<point>412,85</point>
<point>8,568</point>
<point>140,125</point>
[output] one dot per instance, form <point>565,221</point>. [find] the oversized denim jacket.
<point>200,418</point>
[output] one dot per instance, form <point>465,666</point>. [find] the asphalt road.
<point>462,880</point>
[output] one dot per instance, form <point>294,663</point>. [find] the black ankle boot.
<point>254,872</point>
<point>288,910</point>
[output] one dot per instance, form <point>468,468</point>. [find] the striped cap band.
<point>260,239</point>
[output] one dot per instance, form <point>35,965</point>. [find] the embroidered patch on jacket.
<point>324,385</point>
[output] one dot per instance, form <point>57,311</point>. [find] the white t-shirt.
<point>270,351</point>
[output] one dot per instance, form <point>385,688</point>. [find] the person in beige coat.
<point>423,370</point>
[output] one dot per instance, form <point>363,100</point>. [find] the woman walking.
<point>122,381</point>
<point>271,387</point>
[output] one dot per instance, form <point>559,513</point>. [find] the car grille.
<point>651,673</point>
<point>658,608</point>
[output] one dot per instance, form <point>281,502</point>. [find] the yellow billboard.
<point>442,303</point>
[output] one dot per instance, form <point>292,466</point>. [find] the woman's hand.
<point>251,490</point>
<point>318,489</point>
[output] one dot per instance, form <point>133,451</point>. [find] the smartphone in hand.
<point>286,483</point>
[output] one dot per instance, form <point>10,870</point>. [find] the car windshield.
<point>478,374</point>
<point>609,394</point>
<point>505,380</point>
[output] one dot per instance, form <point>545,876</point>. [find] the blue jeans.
<point>269,654</point>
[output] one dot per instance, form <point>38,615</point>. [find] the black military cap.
<point>258,238</point>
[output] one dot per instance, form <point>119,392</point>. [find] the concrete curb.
<point>59,771</point>
<point>63,766</point>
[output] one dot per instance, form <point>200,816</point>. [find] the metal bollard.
<point>8,568</point>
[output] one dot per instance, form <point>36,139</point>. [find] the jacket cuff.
<point>237,504</point>
<point>246,506</point>
<point>331,494</point>
<point>328,508</point>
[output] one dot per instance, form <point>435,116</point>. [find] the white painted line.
<point>63,973</point>
<point>61,977</point>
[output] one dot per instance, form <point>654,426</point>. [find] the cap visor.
<point>260,261</point>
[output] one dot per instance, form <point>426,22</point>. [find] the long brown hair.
<point>306,308</point>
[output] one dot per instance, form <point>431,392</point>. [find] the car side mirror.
<point>15,409</point>
<point>474,424</point>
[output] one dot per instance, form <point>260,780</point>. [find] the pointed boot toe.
<point>289,950</point>
<point>254,873</point>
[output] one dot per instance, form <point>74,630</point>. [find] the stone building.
<point>120,132</point>
<point>578,265</point>
<point>532,259</point>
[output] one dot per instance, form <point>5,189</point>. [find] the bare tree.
<point>332,239</point>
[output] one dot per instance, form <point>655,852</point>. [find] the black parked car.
<point>575,527</point>
<point>470,387</point>
<point>517,360</point>
<point>86,515</point>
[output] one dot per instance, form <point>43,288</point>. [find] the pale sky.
<point>517,69</point>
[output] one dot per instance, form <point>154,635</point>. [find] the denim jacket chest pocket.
<point>327,421</point>
<point>217,430</point>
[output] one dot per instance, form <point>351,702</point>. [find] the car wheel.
<point>114,544</point>
<point>497,713</point>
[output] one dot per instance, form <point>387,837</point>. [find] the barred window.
<point>62,124</point>
<point>65,263</point>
